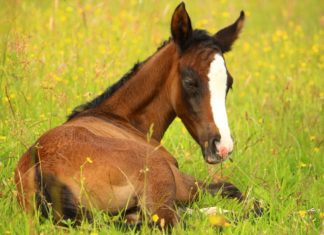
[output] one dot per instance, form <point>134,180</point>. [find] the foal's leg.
<point>188,188</point>
<point>159,195</point>
<point>226,189</point>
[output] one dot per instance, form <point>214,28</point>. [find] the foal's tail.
<point>39,191</point>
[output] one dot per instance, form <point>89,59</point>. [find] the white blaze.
<point>217,86</point>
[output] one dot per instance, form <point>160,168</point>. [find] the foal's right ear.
<point>181,28</point>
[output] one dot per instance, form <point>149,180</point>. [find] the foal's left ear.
<point>227,36</point>
<point>181,29</point>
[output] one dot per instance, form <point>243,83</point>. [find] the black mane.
<point>106,94</point>
<point>198,37</point>
<point>111,90</point>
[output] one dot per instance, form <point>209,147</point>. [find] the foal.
<point>101,157</point>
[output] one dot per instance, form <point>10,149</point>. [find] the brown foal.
<point>102,157</point>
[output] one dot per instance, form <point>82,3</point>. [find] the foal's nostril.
<point>213,144</point>
<point>217,138</point>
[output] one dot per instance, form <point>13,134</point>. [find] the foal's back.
<point>103,164</point>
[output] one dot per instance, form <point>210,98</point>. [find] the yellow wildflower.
<point>316,149</point>
<point>202,23</point>
<point>63,18</point>
<point>155,218</point>
<point>69,9</point>
<point>315,49</point>
<point>57,78</point>
<point>242,94</point>
<point>42,116</point>
<point>218,220</point>
<point>225,14</point>
<point>302,214</point>
<point>302,165</point>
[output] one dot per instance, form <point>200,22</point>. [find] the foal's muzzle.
<point>215,153</point>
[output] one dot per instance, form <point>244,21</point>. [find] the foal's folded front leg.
<point>226,189</point>
<point>187,188</point>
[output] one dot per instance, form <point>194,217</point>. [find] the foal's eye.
<point>190,81</point>
<point>190,84</point>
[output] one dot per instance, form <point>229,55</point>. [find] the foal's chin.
<point>211,156</point>
<point>214,159</point>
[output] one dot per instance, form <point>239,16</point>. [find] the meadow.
<point>55,55</point>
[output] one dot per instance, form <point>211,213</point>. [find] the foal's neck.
<point>143,101</point>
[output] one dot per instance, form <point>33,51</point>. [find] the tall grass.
<point>57,54</point>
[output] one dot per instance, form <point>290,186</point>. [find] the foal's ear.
<point>227,36</point>
<point>181,26</point>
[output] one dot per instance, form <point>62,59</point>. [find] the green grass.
<point>55,55</point>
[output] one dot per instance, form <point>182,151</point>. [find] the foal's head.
<point>199,92</point>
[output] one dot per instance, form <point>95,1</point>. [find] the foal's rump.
<point>71,168</point>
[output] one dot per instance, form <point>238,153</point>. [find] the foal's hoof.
<point>258,209</point>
